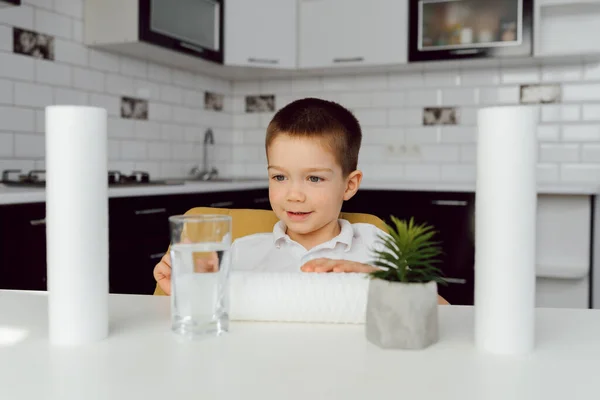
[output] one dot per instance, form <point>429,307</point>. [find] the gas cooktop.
<point>37,178</point>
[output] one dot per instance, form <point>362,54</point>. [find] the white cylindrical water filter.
<point>505,224</point>
<point>298,297</point>
<point>77,224</point>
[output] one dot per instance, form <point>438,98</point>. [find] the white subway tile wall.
<point>168,144</point>
<point>6,144</point>
<point>389,106</point>
<point>53,73</point>
<point>399,147</point>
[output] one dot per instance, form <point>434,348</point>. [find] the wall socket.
<point>404,151</point>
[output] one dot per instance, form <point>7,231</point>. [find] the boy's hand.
<point>162,274</point>
<point>203,262</point>
<point>330,265</point>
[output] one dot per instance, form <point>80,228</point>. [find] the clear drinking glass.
<point>200,262</point>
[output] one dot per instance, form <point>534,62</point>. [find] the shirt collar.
<point>345,237</point>
<point>279,233</point>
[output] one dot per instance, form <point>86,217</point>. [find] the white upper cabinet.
<point>261,33</point>
<point>566,27</point>
<point>352,32</point>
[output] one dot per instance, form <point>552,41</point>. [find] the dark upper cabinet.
<point>460,29</point>
<point>5,3</point>
<point>188,34</point>
<point>187,26</point>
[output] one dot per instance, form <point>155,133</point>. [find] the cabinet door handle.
<point>222,204</point>
<point>262,200</point>
<point>348,59</point>
<point>455,280</point>
<point>459,203</point>
<point>466,51</point>
<point>150,211</point>
<point>188,46</point>
<point>156,256</point>
<point>263,60</point>
<point>36,222</point>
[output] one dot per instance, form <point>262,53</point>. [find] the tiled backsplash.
<point>168,143</point>
<point>400,141</point>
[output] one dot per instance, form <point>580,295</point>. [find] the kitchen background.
<point>399,142</point>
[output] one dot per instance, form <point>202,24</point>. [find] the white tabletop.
<point>142,359</point>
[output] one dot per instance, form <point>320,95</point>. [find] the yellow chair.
<point>247,222</point>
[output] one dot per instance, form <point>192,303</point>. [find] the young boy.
<point>312,151</point>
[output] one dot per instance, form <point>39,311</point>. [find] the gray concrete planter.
<point>402,315</point>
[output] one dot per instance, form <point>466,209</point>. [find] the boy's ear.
<point>352,184</point>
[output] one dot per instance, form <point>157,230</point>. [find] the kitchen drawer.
<point>139,216</point>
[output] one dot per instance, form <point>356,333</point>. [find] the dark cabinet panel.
<point>185,202</point>
<point>257,199</point>
<point>23,246</point>
<point>452,215</point>
<point>137,226</point>
<point>253,199</point>
<point>132,264</point>
<point>139,234</point>
<point>135,217</point>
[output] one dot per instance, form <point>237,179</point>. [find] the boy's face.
<point>306,184</point>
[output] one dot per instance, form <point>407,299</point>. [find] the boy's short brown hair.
<point>322,119</point>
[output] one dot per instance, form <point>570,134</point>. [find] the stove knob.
<point>141,176</point>
<point>114,177</point>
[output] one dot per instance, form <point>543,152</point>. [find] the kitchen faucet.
<point>208,172</point>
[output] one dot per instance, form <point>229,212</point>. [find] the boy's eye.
<point>278,178</point>
<point>315,179</point>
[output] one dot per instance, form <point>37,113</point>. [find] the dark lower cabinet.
<point>23,246</point>
<point>138,237</point>
<point>139,234</point>
<point>452,215</point>
<point>131,264</point>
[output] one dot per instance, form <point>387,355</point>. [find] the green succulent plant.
<point>409,254</point>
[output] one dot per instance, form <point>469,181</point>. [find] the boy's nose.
<point>295,194</point>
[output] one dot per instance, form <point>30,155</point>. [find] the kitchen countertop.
<point>14,195</point>
<point>142,359</point>
<point>469,187</point>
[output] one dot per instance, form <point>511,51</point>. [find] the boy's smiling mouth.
<point>298,215</point>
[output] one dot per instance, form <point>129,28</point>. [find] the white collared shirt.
<point>277,252</point>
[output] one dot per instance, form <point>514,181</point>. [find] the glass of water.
<point>200,262</point>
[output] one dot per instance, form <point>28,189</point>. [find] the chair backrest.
<point>247,222</point>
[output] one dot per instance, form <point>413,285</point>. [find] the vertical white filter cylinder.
<point>505,224</point>
<point>77,224</point>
